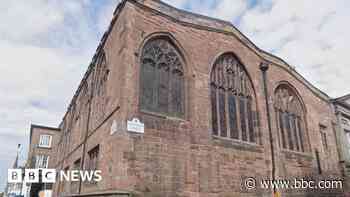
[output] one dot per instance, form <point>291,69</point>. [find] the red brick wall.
<point>35,150</point>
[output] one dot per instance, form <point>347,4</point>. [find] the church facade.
<point>216,111</point>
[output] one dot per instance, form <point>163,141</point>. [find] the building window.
<point>45,141</point>
<point>76,165</point>
<point>42,161</point>
<point>102,73</point>
<point>75,184</point>
<point>233,107</point>
<point>324,137</point>
<point>290,119</point>
<point>347,133</point>
<point>65,185</point>
<point>162,79</point>
<point>93,158</point>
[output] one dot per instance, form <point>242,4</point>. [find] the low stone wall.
<point>104,194</point>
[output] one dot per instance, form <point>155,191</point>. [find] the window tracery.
<point>162,79</point>
<point>233,105</point>
<point>290,119</point>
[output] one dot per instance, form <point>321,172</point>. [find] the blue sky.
<point>46,46</point>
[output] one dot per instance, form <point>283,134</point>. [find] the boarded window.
<point>162,79</point>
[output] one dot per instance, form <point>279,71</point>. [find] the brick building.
<point>215,109</point>
<point>41,154</point>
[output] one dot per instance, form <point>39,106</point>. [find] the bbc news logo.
<point>51,176</point>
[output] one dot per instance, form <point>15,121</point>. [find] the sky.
<point>46,46</point>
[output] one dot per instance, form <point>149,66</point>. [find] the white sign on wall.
<point>135,125</point>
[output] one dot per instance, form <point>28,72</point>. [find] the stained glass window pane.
<point>243,118</point>
<point>222,113</point>
<point>233,116</point>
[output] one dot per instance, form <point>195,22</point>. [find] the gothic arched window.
<point>100,101</point>
<point>101,74</point>
<point>290,119</point>
<point>162,79</point>
<point>233,103</point>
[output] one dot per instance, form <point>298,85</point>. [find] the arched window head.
<point>233,105</point>
<point>101,74</point>
<point>290,119</point>
<point>162,79</point>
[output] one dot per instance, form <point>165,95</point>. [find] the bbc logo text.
<point>51,175</point>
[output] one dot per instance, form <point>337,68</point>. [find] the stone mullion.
<point>245,101</point>
<point>290,134</point>
<point>292,131</point>
<point>171,107</point>
<point>299,126</point>
<point>246,119</point>
<point>239,129</point>
<point>155,87</point>
<point>289,131</point>
<point>297,132</point>
<point>237,101</point>
<point>224,94</point>
<point>245,114</point>
<point>228,126</point>
<point>227,109</point>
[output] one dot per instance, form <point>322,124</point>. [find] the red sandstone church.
<point>176,104</point>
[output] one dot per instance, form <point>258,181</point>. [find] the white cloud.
<point>36,86</point>
<point>176,3</point>
<point>228,10</point>
<point>23,19</point>
<point>310,35</point>
<point>106,14</point>
<point>45,48</point>
<point>222,9</point>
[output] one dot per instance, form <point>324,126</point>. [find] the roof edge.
<point>44,127</point>
<point>228,28</point>
<point>33,126</point>
<point>345,97</point>
<point>94,58</point>
<point>233,31</point>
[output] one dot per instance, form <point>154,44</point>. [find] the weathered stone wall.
<point>180,157</point>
